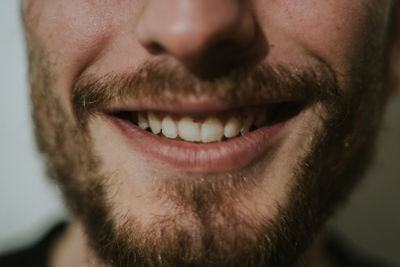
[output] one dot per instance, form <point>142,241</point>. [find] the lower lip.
<point>197,157</point>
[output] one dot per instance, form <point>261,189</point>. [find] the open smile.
<point>205,142</point>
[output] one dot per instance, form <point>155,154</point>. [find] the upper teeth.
<point>143,122</point>
<point>169,128</point>
<point>210,129</point>
<point>232,127</point>
<point>189,130</point>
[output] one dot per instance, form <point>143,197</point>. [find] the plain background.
<point>29,204</point>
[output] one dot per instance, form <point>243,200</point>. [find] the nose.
<point>194,30</point>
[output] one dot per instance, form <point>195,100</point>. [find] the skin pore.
<point>131,210</point>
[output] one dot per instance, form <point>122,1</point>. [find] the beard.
<point>206,228</point>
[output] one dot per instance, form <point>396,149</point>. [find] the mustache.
<point>159,80</point>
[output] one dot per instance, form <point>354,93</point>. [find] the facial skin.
<point>139,208</point>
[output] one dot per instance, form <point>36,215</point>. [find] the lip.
<point>194,105</point>
<point>216,157</point>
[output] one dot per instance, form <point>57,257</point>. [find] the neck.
<point>316,255</point>
<point>72,249</point>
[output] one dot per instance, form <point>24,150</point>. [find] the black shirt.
<point>36,255</point>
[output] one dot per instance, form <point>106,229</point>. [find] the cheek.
<point>334,31</point>
<point>65,28</point>
<point>329,29</point>
<point>71,34</point>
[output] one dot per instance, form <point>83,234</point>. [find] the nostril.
<point>155,48</point>
<point>223,44</point>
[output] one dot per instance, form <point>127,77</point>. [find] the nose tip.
<point>190,29</point>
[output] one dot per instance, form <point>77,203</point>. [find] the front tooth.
<point>246,124</point>
<point>189,130</point>
<point>169,128</point>
<point>232,127</point>
<point>261,118</point>
<point>212,130</point>
<point>142,122</point>
<point>155,124</point>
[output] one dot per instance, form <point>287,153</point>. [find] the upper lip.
<point>193,105</point>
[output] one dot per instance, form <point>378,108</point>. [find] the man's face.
<point>262,117</point>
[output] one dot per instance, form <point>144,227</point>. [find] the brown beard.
<point>337,159</point>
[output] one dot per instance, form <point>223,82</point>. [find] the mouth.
<point>208,140</point>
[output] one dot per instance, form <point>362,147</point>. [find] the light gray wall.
<point>29,205</point>
<point>372,217</point>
